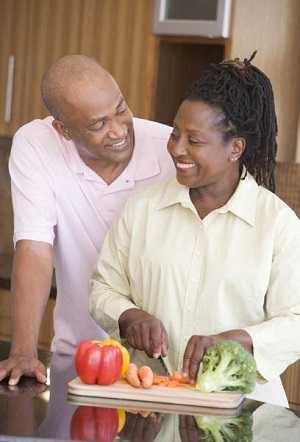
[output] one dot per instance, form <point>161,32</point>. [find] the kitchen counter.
<point>47,412</point>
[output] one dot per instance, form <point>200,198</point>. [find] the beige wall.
<point>273,28</point>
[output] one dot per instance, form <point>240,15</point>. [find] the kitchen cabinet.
<point>14,31</point>
<point>36,33</point>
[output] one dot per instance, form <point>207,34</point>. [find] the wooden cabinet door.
<point>35,33</point>
<point>53,32</point>
<point>13,49</point>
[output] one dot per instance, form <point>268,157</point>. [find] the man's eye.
<point>122,110</point>
<point>97,126</point>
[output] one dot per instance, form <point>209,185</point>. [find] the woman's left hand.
<point>194,352</point>
<point>197,346</point>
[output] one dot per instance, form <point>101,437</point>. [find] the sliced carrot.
<point>146,376</point>
<point>157,380</point>
<point>177,376</point>
<point>132,376</point>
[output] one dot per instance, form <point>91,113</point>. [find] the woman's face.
<point>196,145</point>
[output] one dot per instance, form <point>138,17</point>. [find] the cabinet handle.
<point>9,88</point>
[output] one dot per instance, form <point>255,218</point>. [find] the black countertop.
<point>44,412</point>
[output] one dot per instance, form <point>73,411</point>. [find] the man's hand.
<point>17,365</point>
<point>197,346</point>
<point>144,332</point>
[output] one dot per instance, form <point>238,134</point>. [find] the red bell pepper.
<point>98,364</point>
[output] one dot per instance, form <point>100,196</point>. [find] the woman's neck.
<point>213,196</point>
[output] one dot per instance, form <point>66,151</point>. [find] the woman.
<point>212,254</point>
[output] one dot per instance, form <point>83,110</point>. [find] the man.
<point>71,175</point>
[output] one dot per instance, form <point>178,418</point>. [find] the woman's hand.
<point>197,346</point>
<point>144,332</point>
<point>194,352</point>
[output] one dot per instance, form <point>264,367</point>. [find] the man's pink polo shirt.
<point>60,200</point>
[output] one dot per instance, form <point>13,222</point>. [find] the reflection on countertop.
<point>39,411</point>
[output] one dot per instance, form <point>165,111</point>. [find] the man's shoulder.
<point>36,128</point>
<point>36,137</point>
<point>152,128</point>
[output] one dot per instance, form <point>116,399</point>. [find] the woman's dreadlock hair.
<point>245,96</point>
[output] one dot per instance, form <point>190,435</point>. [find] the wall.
<point>272,27</point>
<point>116,32</point>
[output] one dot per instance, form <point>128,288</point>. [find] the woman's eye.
<point>194,141</point>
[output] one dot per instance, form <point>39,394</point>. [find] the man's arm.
<point>31,282</point>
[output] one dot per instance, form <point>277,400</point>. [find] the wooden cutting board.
<point>185,395</point>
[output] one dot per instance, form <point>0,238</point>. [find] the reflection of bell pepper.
<point>98,364</point>
<point>94,424</point>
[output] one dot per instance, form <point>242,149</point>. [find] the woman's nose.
<point>177,147</point>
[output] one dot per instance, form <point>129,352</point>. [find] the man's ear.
<point>238,146</point>
<point>61,129</point>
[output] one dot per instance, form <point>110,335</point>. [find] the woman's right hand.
<point>18,365</point>
<point>144,332</point>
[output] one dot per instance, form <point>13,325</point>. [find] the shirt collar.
<point>142,165</point>
<point>144,162</point>
<point>242,203</point>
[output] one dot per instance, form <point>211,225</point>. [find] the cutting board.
<point>185,395</point>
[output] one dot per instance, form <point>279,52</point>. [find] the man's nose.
<point>117,130</point>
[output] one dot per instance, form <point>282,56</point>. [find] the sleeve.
<point>33,197</point>
<point>276,342</point>
<point>110,287</point>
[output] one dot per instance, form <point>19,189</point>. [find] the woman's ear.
<point>238,145</point>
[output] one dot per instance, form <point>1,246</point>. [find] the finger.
<point>146,338</point>
<point>138,338</point>
<point>40,375</point>
<point>164,344</point>
<point>3,373</point>
<point>15,376</point>
<point>131,338</point>
<point>155,340</point>
<point>195,360</point>
<point>187,356</point>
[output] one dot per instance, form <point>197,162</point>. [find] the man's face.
<point>98,120</point>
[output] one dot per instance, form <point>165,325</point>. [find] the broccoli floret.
<point>227,366</point>
<point>225,429</point>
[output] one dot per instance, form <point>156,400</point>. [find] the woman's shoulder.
<point>271,206</point>
<point>145,204</point>
<point>151,195</point>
